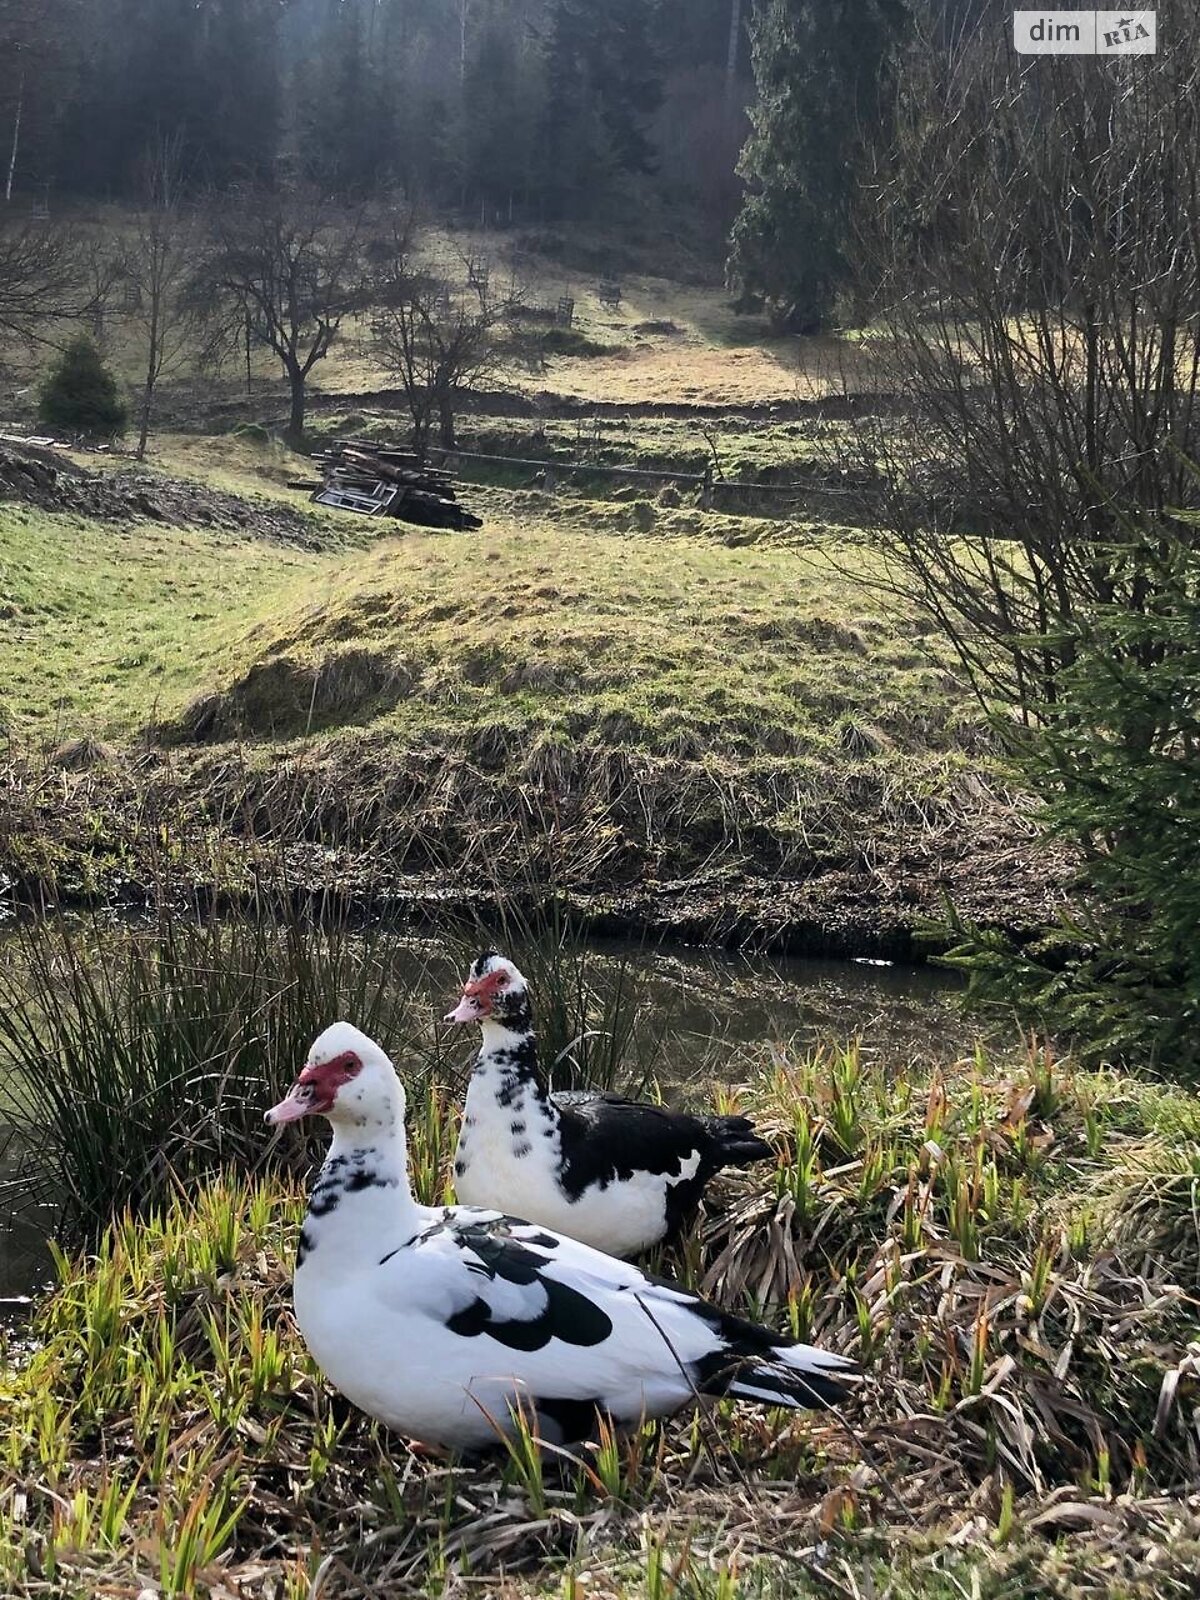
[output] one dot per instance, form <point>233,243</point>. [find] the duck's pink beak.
<point>297,1103</point>
<point>316,1089</point>
<point>465,1011</point>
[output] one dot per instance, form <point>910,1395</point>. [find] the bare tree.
<point>731,57</point>
<point>39,278</point>
<point>15,149</point>
<point>99,264</point>
<point>156,268</point>
<point>439,336</point>
<point>1033,240</point>
<point>287,267</point>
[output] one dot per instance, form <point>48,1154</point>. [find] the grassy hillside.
<point>103,626</point>
<point>618,627</point>
<point>668,342</point>
<point>597,624</point>
<point>600,694</point>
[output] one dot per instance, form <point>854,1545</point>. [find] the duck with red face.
<point>316,1089</point>
<point>621,1175</point>
<point>447,1323</point>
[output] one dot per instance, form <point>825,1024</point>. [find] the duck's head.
<point>347,1078</point>
<point>494,992</point>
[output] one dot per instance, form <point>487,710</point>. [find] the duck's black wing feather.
<point>607,1138</point>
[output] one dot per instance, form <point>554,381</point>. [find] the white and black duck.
<point>621,1175</point>
<point>444,1322</point>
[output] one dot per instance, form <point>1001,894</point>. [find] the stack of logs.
<point>381,482</point>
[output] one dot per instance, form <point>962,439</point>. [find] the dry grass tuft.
<point>77,755</point>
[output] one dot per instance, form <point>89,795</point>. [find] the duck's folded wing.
<point>538,1296</point>
<point>670,1337</point>
<point>487,1275</point>
<point>562,1321</point>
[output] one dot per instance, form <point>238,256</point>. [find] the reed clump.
<point>137,1057</point>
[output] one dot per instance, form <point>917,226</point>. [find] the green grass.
<point>581,623</point>
<point>572,622</point>
<point>748,449</point>
<point>105,625</point>
<point>583,694</point>
<point>955,1232</point>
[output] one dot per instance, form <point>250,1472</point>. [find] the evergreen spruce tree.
<point>819,69</point>
<point>80,394</point>
<point>238,71</point>
<point>501,104</point>
<point>204,72</point>
<point>1116,761</point>
<point>604,82</point>
<point>338,104</point>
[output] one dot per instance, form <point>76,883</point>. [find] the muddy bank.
<point>831,915</point>
<point>127,832</point>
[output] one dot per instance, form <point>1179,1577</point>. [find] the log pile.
<point>379,481</point>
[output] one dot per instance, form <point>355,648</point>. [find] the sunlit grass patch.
<point>244,463</point>
<point>103,625</point>
<point>577,627</point>
<point>573,625</point>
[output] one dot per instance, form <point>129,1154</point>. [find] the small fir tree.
<point>1117,764</point>
<point>80,394</point>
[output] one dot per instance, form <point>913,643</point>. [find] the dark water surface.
<point>708,1011</point>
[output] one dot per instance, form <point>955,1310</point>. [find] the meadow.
<point>615,708</point>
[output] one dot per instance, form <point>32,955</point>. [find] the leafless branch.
<point>1031,239</point>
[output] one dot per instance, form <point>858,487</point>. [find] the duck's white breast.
<point>628,1216</point>
<point>392,1366</point>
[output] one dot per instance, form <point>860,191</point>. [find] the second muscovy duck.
<point>621,1175</point>
<point>445,1322</point>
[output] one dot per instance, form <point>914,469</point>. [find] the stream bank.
<point>229,831</point>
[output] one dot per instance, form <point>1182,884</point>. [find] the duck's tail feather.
<point>798,1376</point>
<point>736,1143</point>
<point>811,1388</point>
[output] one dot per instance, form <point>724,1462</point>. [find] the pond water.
<point>703,1011</point>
